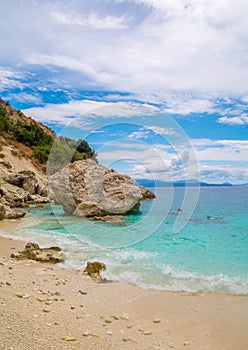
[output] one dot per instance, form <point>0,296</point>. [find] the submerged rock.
<point>93,269</point>
<point>110,219</point>
<point>86,188</point>
<point>32,251</point>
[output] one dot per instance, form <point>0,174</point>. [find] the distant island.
<point>181,183</point>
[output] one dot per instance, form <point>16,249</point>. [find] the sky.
<point>159,88</point>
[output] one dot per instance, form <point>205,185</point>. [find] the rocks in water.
<point>110,219</point>
<point>146,194</point>
<point>32,251</point>
<point>8,213</point>
<point>86,188</point>
<point>93,270</point>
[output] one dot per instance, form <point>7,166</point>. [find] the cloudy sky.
<point>158,71</point>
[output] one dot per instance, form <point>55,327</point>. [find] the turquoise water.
<point>209,254</point>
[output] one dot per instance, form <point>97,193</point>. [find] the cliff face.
<point>22,180</point>
<point>21,183</point>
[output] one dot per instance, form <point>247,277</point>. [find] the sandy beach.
<point>43,306</point>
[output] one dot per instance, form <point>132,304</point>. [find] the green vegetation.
<point>66,150</point>
<point>5,123</point>
<point>31,134</point>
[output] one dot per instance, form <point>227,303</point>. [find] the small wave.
<point>195,282</point>
<point>12,236</point>
<point>171,279</point>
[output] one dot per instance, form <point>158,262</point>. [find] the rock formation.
<point>93,270</point>
<point>88,189</point>
<point>8,213</point>
<point>33,252</point>
<point>21,183</point>
<point>146,194</point>
<point>27,181</point>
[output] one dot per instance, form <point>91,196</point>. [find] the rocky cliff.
<point>21,183</point>
<point>22,180</point>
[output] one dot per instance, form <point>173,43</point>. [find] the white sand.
<point>41,304</point>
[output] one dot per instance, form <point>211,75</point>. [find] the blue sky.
<point>151,69</point>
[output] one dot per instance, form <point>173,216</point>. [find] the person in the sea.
<point>211,218</point>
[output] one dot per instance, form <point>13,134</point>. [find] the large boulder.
<point>86,188</point>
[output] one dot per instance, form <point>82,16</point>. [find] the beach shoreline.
<point>41,307</point>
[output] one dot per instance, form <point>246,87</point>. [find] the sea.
<point>208,253</point>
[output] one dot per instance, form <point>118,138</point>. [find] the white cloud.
<point>65,113</point>
<point>220,150</point>
<point>219,174</point>
<point>144,47</point>
<point>61,113</point>
<point>239,120</point>
<point>159,130</point>
<point>9,78</point>
<point>161,163</point>
<point>146,161</point>
<point>184,107</point>
<point>92,20</point>
<point>139,135</point>
<point>24,97</point>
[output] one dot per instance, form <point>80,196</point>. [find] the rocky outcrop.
<point>86,188</point>
<point>32,251</point>
<point>146,194</point>
<point>27,181</point>
<point>7,213</point>
<point>93,269</point>
<point>25,190</point>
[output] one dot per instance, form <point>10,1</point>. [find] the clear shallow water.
<point>209,254</point>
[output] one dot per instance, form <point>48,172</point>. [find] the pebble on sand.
<point>23,296</point>
<point>68,338</point>
<point>157,320</point>
<point>124,317</point>
<point>107,320</point>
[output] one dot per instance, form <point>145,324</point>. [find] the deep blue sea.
<point>209,254</point>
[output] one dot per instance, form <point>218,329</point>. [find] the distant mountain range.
<point>181,183</point>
